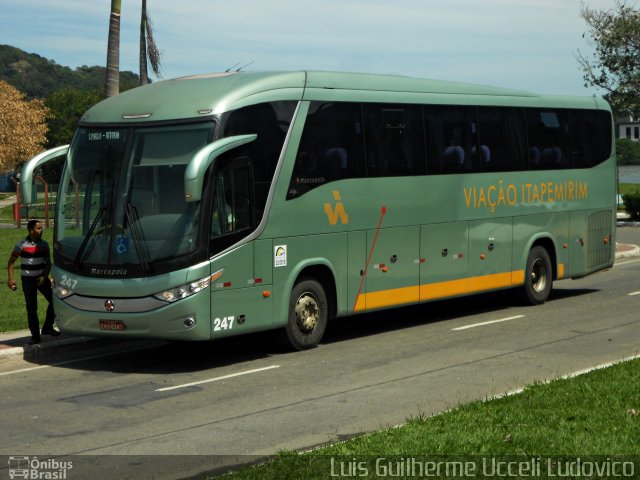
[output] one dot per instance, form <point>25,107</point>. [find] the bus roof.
<point>200,96</point>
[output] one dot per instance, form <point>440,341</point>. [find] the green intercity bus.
<point>216,205</point>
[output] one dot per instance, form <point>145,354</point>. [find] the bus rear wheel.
<point>308,314</point>
<point>538,278</point>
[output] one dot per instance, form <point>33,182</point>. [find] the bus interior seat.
<point>551,156</point>
<point>534,157</point>
<point>454,157</point>
<point>485,153</point>
<point>335,160</point>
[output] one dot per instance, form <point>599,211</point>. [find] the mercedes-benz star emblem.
<point>109,306</point>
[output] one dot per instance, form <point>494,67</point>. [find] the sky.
<point>521,44</point>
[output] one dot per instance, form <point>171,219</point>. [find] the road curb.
<point>626,251</point>
<point>59,348</point>
<point>41,349</point>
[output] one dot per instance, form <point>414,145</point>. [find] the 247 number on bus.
<point>223,324</point>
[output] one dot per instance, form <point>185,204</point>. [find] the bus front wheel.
<point>308,314</point>
<point>538,277</point>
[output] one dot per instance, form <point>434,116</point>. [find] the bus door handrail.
<point>198,165</point>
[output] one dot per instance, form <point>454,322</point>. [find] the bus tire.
<point>538,277</point>
<point>308,314</point>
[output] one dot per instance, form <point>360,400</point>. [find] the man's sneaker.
<point>34,341</point>
<point>53,332</point>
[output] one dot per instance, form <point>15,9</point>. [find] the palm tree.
<point>112,83</point>
<point>148,47</point>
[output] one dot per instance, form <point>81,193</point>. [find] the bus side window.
<point>270,122</point>
<point>331,147</point>
<point>549,138</point>
<point>502,139</point>
<point>394,140</point>
<point>591,137</point>
<point>453,132</point>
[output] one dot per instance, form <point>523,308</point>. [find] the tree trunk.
<point>112,83</point>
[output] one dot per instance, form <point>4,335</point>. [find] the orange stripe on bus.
<point>517,277</point>
<point>433,291</point>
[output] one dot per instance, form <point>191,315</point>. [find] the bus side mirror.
<point>198,165</point>
<point>26,175</point>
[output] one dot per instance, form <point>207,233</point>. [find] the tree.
<point>23,128</point>
<point>615,65</point>
<point>66,107</point>
<point>112,81</point>
<point>628,152</point>
<point>148,48</point>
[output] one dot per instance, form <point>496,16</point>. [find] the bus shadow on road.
<point>164,357</point>
<point>181,357</point>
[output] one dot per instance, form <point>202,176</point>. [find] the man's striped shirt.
<point>32,256</point>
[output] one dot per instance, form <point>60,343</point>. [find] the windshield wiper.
<point>132,217</point>
<point>87,237</point>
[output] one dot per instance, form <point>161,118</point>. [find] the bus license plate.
<point>112,325</point>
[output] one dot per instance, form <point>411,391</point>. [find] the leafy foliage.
<point>23,128</point>
<point>67,106</point>
<point>632,204</point>
<point>615,66</point>
<point>628,152</point>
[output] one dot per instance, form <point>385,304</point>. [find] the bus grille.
<point>599,239</point>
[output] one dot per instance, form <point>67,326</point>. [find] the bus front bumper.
<point>182,320</point>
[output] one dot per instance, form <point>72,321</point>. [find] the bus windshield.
<point>122,206</point>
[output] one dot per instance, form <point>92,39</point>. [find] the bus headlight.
<point>61,292</point>
<point>184,291</point>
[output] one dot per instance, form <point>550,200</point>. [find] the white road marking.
<point>487,323</point>
<point>633,293</point>
<point>25,370</point>
<point>224,377</point>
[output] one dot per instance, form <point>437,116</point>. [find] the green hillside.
<point>37,76</point>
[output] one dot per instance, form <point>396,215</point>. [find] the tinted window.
<point>451,139</point>
<point>502,139</point>
<point>591,137</point>
<point>394,138</point>
<point>331,147</point>
<point>270,121</point>
<point>231,210</point>
<point>549,139</point>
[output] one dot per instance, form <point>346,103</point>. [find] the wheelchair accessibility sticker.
<point>123,245</point>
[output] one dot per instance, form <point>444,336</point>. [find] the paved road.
<point>243,397</point>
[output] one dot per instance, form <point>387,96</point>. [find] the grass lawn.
<point>625,188</point>
<point>594,417</point>
<point>13,314</point>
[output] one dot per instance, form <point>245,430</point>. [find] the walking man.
<point>35,265</point>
